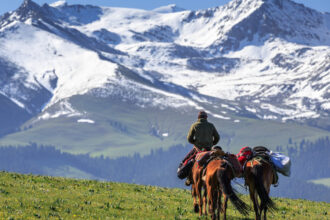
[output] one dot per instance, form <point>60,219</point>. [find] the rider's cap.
<point>202,114</point>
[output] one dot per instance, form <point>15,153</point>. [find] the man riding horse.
<point>203,135</point>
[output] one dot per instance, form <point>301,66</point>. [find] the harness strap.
<point>197,149</point>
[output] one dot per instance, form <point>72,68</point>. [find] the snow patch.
<point>86,121</point>
<point>65,109</point>
<point>20,104</point>
<point>168,9</point>
<point>326,106</point>
<point>250,109</point>
<point>58,3</point>
<point>269,117</point>
<point>228,107</point>
<point>220,116</point>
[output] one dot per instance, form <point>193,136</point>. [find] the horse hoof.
<point>196,208</point>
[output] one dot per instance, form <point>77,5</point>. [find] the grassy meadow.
<point>43,197</point>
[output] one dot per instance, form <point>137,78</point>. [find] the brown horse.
<point>196,189</point>
<point>259,175</point>
<point>219,174</point>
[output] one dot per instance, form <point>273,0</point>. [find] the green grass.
<point>324,181</point>
<point>134,132</point>
<point>42,197</point>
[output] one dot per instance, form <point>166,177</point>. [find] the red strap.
<point>192,156</point>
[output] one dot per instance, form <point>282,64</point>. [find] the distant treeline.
<point>310,160</point>
<point>157,168</point>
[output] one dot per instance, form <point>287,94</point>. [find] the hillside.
<point>116,128</point>
<point>29,197</point>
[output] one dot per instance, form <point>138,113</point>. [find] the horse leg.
<point>211,200</point>
<point>262,207</point>
<point>219,203</point>
<point>254,199</point>
<point>265,213</point>
<point>265,208</point>
<point>215,203</point>
<point>205,201</point>
<point>225,201</point>
<point>267,185</point>
<point>200,199</point>
<point>194,194</point>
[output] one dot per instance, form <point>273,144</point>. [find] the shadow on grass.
<point>228,217</point>
<point>238,218</point>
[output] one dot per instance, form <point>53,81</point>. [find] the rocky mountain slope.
<point>247,60</point>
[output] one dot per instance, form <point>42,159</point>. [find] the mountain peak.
<point>28,9</point>
<point>265,19</point>
<point>169,9</point>
<point>278,3</point>
<point>29,4</point>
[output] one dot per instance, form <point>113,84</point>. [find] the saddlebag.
<point>281,162</point>
<point>185,169</point>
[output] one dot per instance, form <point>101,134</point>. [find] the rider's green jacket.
<point>203,134</point>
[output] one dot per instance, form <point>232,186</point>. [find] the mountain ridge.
<point>250,59</point>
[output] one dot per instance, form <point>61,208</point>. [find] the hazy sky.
<point>9,5</point>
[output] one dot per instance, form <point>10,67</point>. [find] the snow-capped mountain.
<point>267,59</point>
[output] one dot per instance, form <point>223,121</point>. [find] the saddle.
<point>205,158</point>
<point>261,159</point>
<point>262,152</point>
<point>246,154</point>
<point>259,154</point>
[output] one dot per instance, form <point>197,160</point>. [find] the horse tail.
<point>257,171</point>
<point>225,184</point>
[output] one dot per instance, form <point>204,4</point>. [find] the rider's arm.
<point>191,135</point>
<point>216,136</point>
